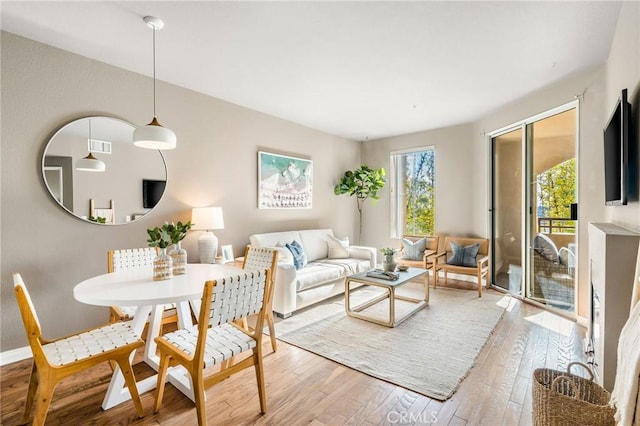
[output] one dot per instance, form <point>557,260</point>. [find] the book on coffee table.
<point>383,275</point>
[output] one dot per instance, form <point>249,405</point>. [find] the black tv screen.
<point>616,153</point>
<point>152,191</point>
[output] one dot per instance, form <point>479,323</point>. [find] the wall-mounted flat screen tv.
<point>152,191</point>
<point>616,153</point>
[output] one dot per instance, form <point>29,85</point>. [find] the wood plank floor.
<point>303,388</point>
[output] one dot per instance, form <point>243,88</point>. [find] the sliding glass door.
<point>533,209</point>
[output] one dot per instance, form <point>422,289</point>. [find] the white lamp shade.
<point>206,218</point>
<point>154,136</point>
<point>90,164</point>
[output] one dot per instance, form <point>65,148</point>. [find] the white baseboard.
<point>15,355</point>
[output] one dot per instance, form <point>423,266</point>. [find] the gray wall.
<point>215,163</point>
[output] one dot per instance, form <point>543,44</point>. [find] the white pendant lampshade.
<point>154,135</point>
<point>207,219</point>
<point>90,163</point>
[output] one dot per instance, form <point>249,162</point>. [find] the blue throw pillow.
<point>299,256</point>
<point>414,250</point>
<point>463,256</point>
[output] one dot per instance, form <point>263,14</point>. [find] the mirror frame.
<point>45,167</point>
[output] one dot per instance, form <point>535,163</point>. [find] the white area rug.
<point>429,353</point>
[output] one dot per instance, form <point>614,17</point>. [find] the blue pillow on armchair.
<point>299,256</point>
<point>463,256</point>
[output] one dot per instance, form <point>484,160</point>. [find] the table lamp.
<point>207,219</point>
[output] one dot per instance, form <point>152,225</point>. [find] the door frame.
<point>522,125</point>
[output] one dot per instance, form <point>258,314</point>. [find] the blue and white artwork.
<point>284,182</point>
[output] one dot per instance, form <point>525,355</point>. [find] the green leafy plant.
<point>388,251</point>
<point>158,237</point>
<point>178,231</point>
<point>98,219</point>
<point>364,183</point>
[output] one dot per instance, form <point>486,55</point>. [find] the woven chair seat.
<point>223,342</point>
<point>129,311</point>
<point>93,342</point>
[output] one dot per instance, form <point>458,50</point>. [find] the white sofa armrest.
<point>362,252</point>
<point>284,293</point>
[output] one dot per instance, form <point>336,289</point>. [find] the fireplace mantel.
<point>613,252</point>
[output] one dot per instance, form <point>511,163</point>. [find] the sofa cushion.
<point>338,249</point>
<point>284,254</point>
<point>314,242</point>
<point>463,256</point>
<point>299,256</point>
<point>326,270</point>
<point>546,248</point>
<point>414,250</point>
<point>272,239</point>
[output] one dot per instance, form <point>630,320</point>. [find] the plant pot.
<point>389,264</point>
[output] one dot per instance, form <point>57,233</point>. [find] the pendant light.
<point>90,163</point>
<point>154,135</point>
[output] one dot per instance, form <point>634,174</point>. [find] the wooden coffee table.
<point>390,293</point>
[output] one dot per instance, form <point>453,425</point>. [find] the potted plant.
<point>177,232</point>
<point>389,263</point>
<point>364,183</point>
<point>162,264</point>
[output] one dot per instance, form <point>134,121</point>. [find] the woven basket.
<point>564,399</point>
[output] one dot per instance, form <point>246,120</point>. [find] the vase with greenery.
<point>364,183</point>
<point>163,263</point>
<point>177,232</point>
<point>389,263</point>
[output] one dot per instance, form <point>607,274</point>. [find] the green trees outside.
<point>557,190</point>
<point>419,199</point>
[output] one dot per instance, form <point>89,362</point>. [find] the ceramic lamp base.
<point>208,247</point>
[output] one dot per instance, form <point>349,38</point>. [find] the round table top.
<point>137,287</point>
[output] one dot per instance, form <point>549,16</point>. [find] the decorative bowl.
<point>403,268</point>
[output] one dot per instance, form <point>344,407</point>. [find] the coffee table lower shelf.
<point>390,293</point>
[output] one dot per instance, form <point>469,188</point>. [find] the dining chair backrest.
<point>118,260</point>
<point>232,298</point>
<point>261,258</point>
<point>28,313</point>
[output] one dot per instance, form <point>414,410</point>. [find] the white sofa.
<point>321,278</point>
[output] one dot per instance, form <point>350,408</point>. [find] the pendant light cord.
<point>154,72</point>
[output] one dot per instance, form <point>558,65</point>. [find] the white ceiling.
<point>360,70</point>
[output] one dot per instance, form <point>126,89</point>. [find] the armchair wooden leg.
<point>31,393</point>
<point>479,283</point>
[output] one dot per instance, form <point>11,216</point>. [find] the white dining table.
<point>136,287</point>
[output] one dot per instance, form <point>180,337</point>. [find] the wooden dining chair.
<point>216,337</point>
<point>259,259</point>
<point>53,360</point>
<point>137,258</point>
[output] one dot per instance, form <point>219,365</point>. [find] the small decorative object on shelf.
<point>389,263</point>
<point>177,232</point>
<point>162,264</point>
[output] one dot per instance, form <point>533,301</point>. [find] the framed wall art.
<point>284,182</point>
<point>227,253</point>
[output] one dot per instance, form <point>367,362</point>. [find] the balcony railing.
<point>556,225</point>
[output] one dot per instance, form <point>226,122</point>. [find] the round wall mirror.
<point>93,170</point>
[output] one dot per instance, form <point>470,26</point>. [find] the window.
<point>413,192</point>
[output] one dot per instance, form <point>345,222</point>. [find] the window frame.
<point>395,206</point>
